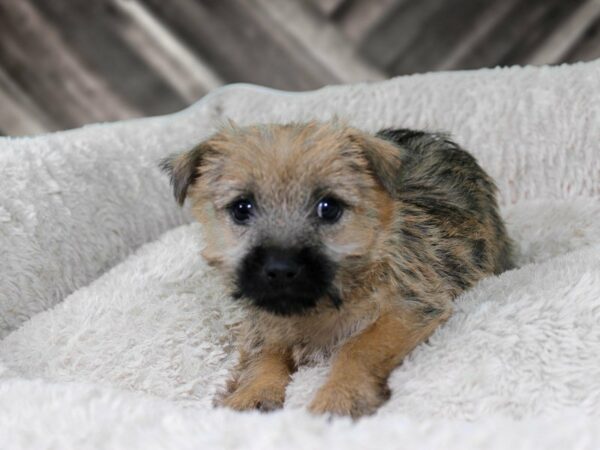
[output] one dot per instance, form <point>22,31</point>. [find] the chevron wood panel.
<point>65,63</point>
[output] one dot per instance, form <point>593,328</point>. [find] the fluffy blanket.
<point>105,350</point>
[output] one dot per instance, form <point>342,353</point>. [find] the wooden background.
<point>64,63</point>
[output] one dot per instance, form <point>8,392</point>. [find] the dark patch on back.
<point>448,196</point>
<point>452,268</point>
<point>431,311</point>
<point>399,136</point>
<point>478,251</point>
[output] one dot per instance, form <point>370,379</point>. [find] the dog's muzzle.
<point>284,281</point>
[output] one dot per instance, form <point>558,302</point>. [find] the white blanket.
<point>132,359</point>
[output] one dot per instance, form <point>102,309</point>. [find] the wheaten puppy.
<point>341,242</point>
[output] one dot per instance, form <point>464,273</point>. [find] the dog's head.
<point>289,210</point>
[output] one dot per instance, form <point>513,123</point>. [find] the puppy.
<point>341,242</point>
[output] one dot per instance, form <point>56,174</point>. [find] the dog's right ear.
<point>184,168</point>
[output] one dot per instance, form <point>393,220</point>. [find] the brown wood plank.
<point>243,43</point>
<point>42,64</point>
<point>92,31</point>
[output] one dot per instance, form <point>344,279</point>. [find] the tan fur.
<point>357,383</point>
<point>260,380</point>
<point>399,262</point>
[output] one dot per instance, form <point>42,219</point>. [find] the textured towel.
<point>517,364</point>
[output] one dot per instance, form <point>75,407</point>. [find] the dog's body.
<point>340,242</point>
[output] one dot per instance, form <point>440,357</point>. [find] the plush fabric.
<point>132,357</point>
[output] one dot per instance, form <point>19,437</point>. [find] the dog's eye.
<point>329,209</point>
<point>241,210</point>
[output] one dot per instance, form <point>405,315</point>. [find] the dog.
<point>341,242</point>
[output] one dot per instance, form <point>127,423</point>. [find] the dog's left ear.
<point>383,157</point>
<point>184,169</point>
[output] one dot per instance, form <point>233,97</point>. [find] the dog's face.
<point>289,210</point>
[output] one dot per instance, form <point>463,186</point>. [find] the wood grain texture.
<point>588,46</point>
<point>38,58</point>
<point>64,63</point>
<point>244,43</point>
<point>93,31</point>
<point>396,31</point>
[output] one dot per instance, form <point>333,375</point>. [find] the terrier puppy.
<point>339,241</point>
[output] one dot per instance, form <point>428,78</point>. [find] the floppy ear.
<point>183,169</point>
<point>384,159</point>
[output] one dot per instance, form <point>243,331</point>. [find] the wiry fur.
<point>421,225</point>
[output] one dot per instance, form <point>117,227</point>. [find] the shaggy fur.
<point>419,226</point>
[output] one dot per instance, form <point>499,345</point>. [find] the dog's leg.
<point>261,381</point>
<point>357,384</point>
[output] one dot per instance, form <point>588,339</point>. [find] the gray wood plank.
<point>568,36</point>
<point>358,18</point>
<point>501,45</point>
<point>397,30</point>
<point>588,47</point>
<point>64,63</point>
<point>242,43</point>
<point>441,31</point>
<point>16,120</point>
<point>485,24</point>
<point>321,39</point>
<point>42,64</point>
<point>92,31</point>
<point>164,53</point>
<point>550,16</point>
<point>328,7</point>
<point>19,113</point>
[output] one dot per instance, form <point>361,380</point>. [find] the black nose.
<point>281,267</point>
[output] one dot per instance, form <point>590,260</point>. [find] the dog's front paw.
<point>263,398</point>
<point>351,401</point>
